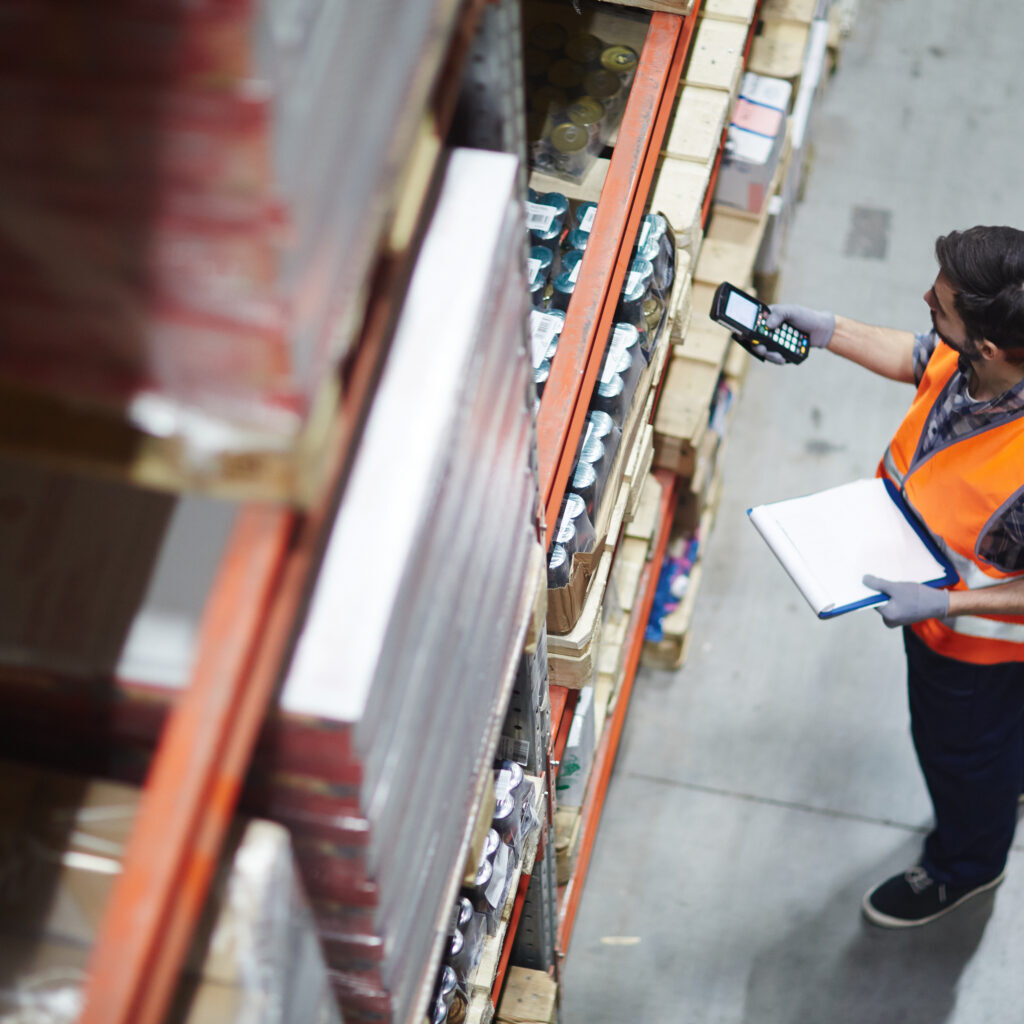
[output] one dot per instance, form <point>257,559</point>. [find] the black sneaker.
<point>915,898</point>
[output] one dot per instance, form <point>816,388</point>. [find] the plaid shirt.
<point>958,414</point>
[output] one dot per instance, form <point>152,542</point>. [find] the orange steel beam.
<point>506,950</point>
<point>605,758</point>
<point>191,788</point>
<point>591,312</point>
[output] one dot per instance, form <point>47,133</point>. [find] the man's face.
<point>947,323</point>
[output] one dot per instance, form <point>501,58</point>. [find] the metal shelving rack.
<point>575,368</point>
<point>263,583</point>
<point>247,628</point>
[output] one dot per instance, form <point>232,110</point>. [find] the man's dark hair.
<point>985,266</point>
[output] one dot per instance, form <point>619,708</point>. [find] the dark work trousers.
<point>968,727</point>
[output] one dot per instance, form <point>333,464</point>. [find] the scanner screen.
<point>741,309</point>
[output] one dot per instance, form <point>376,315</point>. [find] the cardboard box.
<point>754,143</point>
<point>574,770</point>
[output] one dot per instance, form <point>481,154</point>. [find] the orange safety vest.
<point>958,491</point>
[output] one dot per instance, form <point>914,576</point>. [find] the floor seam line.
<point>791,805</point>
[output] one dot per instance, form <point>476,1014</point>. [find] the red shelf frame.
<point>576,363</point>
<point>604,757</point>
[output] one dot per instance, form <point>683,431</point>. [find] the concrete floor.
<point>764,787</point>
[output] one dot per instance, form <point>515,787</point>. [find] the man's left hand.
<point>909,602</point>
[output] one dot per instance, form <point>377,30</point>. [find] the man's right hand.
<point>818,326</point>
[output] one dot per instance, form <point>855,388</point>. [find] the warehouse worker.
<point>958,457</point>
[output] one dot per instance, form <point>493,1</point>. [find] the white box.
<point>574,770</point>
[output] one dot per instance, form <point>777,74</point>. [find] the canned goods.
<point>539,262</point>
<point>621,61</point>
<point>505,820</point>
<point>565,283</point>
<point>604,429</point>
<point>546,214</point>
<point>535,62</point>
<point>585,215</point>
<point>605,87</point>
<point>547,99</point>
<point>548,36</point>
<point>575,511</point>
<point>447,984</point>
<point>589,115</point>
<point>545,329</point>
<point>558,568</point>
<point>584,484</point>
<point>584,48</point>
<point>654,317</point>
<point>540,376</point>
<point>576,239</point>
<point>567,75</point>
<point>634,290</point>
<point>571,148</point>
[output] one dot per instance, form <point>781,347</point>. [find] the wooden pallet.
<point>778,51</point>
<point>788,10</point>
<point>731,10</point>
<point>716,61</point>
<point>697,125</point>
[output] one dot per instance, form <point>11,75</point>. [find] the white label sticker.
<point>497,884</point>
<point>532,269</point>
<point>540,217</point>
<point>588,218</point>
<point>634,278</point>
<point>644,233</point>
<point>575,272</point>
<point>589,434</point>
<point>502,784</point>
<point>543,329</point>
<point>620,340</point>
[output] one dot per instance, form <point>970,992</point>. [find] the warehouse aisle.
<point>763,788</point>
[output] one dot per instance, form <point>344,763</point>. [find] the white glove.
<point>909,602</point>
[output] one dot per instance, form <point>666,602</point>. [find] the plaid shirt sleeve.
<point>924,346</point>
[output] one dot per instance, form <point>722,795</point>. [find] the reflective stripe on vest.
<point>958,490</point>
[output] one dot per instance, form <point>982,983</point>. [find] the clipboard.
<point>828,541</point>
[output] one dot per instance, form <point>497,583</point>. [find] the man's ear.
<point>987,350</point>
